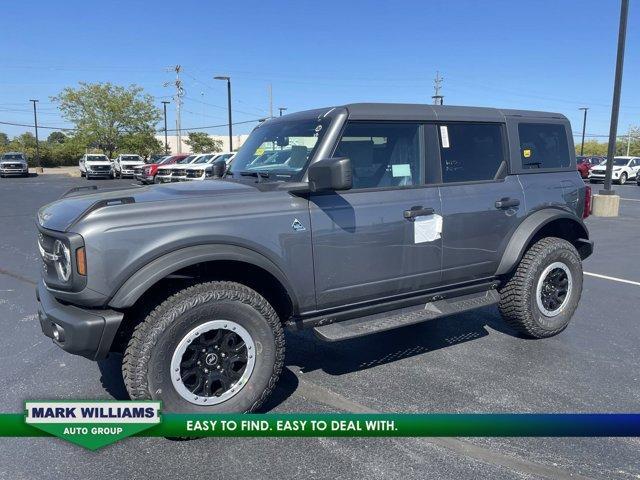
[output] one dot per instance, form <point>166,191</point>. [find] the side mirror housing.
<point>330,174</point>
<point>219,168</point>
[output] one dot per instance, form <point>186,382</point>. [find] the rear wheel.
<point>623,178</point>
<point>213,347</point>
<point>540,297</point>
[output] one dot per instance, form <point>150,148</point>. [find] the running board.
<point>380,322</point>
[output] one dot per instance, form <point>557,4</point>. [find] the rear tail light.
<point>587,202</point>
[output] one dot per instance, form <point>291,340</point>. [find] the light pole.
<point>584,126</point>
<point>615,108</point>
<point>166,143</point>
<point>35,123</point>
<point>282,109</point>
<point>228,79</point>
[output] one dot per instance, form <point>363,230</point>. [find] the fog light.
<point>58,333</point>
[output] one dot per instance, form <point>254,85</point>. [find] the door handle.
<point>507,202</point>
<point>417,211</point>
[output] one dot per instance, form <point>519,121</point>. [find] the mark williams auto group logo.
<point>92,424</point>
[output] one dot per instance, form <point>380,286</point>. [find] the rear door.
<point>365,246</point>
<point>481,204</point>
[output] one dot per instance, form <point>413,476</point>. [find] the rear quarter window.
<point>543,145</point>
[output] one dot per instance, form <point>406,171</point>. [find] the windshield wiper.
<point>257,174</point>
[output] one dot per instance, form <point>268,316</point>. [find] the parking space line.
<point>614,279</point>
<point>630,199</point>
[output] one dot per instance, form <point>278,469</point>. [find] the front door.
<point>381,238</point>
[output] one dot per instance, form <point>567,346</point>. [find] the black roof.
<point>425,112</point>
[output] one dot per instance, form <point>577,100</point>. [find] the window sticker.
<point>427,228</point>
<point>526,153</point>
<point>444,136</point>
<point>402,170</point>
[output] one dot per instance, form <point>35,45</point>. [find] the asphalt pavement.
<point>466,363</point>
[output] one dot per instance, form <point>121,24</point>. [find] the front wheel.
<point>540,297</point>
<point>213,347</point>
<point>623,178</point>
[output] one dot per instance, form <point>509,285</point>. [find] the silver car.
<point>14,163</point>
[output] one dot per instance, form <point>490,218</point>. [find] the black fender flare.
<point>527,230</point>
<point>144,278</point>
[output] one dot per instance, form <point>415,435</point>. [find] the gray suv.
<point>348,220</point>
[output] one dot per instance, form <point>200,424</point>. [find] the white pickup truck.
<point>93,165</point>
<point>125,163</point>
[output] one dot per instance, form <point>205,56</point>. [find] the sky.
<point>554,55</point>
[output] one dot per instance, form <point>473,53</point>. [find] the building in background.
<point>172,140</point>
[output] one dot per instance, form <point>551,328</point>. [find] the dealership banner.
<point>94,424</point>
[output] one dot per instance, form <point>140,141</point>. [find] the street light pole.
<point>615,108</point>
<point>166,143</point>
<point>228,79</point>
<point>584,126</point>
<point>35,123</point>
<point>282,109</point>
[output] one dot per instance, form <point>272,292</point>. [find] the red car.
<point>147,173</point>
<point>584,164</point>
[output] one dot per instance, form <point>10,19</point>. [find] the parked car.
<point>146,174</point>
<point>203,167</point>
<point>14,163</point>
<point>125,163</point>
<point>173,172</point>
<point>624,168</point>
<point>586,163</point>
<point>337,239</point>
<point>94,165</point>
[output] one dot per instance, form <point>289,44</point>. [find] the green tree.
<point>104,114</point>
<point>142,143</point>
<point>56,137</point>
<point>200,142</point>
<point>4,139</point>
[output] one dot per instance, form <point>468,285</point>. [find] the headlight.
<point>63,260</point>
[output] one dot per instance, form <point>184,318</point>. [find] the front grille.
<point>100,168</point>
<point>164,171</point>
<point>12,165</point>
<point>178,173</point>
<point>194,173</point>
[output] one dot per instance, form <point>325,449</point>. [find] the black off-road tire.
<point>146,365</point>
<point>518,304</point>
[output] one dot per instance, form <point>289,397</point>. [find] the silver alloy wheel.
<point>213,362</point>
<point>554,289</point>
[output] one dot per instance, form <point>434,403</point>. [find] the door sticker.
<point>427,228</point>
<point>401,170</point>
<point>444,136</point>
<point>526,153</point>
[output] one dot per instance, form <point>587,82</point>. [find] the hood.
<point>98,162</point>
<point>131,162</point>
<point>62,214</point>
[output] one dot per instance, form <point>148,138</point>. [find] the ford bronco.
<point>362,218</point>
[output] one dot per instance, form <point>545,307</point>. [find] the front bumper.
<point>163,178</point>
<point>127,173</point>
<point>13,171</point>
<point>99,173</point>
<point>141,177</point>
<point>82,331</point>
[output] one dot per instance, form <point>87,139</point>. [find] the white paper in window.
<point>444,135</point>
<point>401,170</point>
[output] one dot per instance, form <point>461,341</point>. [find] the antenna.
<point>437,85</point>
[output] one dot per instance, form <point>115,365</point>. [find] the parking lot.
<point>466,363</point>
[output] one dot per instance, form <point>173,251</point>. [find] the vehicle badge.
<point>297,225</point>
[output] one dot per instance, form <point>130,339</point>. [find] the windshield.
<point>12,156</point>
<point>281,149</point>
<point>188,159</point>
<point>131,158</point>
<point>620,161</point>
<point>97,158</point>
<point>164,160</point>
<point>203,159</point>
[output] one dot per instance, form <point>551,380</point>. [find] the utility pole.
<point>438,99</point>
<point>628,140</point>
<point>166,143</point>
<point>282,109</point>
<point>270,101</point>
<point>228,79</point>
<point>35,123</point>
<point>584,126</point>
<point>617,86</point>
<point>178,100</point>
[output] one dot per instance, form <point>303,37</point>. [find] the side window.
<point>471,152</point>
<point>543,145</point>
<point>382,154</point>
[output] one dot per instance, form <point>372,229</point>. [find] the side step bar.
<point>380,322</point>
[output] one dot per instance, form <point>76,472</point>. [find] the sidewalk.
<point>72,171</point>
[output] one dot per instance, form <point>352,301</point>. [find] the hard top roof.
<point>424,112</point>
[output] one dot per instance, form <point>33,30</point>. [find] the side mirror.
<point>330,174</point>
<point>219,168</point>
